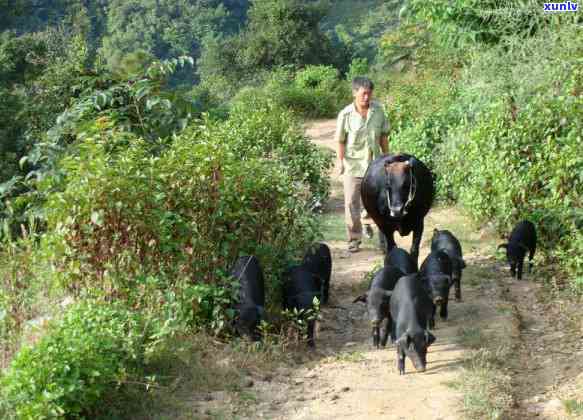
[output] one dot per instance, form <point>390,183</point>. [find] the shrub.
<point>263,130</point>
<point>358,67</point>
<point>509,166</point>
<point>316,77</point>
<point>68,372</point>
<point>314,92</point>
<point>183,216</point>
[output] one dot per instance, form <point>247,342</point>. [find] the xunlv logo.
<point>561,7</point>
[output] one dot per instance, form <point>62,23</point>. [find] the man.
<point>362,132</point>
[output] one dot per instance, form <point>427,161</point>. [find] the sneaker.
<point>354,246</point>
<point>368,232</point>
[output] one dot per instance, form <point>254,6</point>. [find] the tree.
<point>163,28</point>
<point>278,33</point>
<point>281,32</point>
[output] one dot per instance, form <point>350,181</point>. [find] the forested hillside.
<point>146,144</point>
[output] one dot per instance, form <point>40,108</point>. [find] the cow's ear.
<point>361,298</point>
<point>429,338</point>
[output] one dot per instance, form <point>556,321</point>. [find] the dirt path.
<point>350,379</point>
<point>345,378</point>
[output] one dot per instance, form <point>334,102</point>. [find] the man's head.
<point>362,88</point>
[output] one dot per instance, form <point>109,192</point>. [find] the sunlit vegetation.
<point>145,145</point>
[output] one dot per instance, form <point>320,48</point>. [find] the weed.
<point>487,389</point>
<point>349,357</point>
<point>471,337</point>
<point>573,407</point>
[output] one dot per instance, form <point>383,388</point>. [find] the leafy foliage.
<point>465,22</point>
<point>503,136</point>
<point>67,373</point>
<point>278,33</point>
<point>313,92</point>
<point>182,215</point>
<point>164,29</point>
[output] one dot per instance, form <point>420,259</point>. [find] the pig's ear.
<point>361,298</point>
<point>429,338</point>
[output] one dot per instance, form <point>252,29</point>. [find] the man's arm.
<point>384,138</point>
<point>340,138</point>
<point>341,151</point>
<point>384,143</point>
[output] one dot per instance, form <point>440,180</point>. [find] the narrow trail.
<point>345,378</point>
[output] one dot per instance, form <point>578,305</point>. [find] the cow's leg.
<point>385,332</point>
<point>311,328</point>
<point>530,257</point>
<point>443,309</point>
<point>417,234</point>
<point>400,361</point>
<point>458,289</point>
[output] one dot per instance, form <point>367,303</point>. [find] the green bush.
<point>358,67</point>
<point>94,348</point>
<point>261,129</point>
<point>506,170</point>
<point>503,135</point>
<point>316,77</point>
<point>315,92</point>
<point>465,22</point>
<point>185,215</point>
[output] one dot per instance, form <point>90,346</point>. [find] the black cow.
<point>436,276</point>
<point>299,290</point>
<point>397,192</point>
<point>377,299</point>
<point>318,260</point>
<point>410,309</point>
<point>250,307</point>
<point>522,240</point>
<point>401,259</point>
<point>446,241</point>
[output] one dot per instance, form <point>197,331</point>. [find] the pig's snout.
<point>438,300</point>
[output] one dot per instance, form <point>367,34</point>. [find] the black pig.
<point>522,240</point>
<point>318,260</point>
<point>378,299</point>
<point>250,307</point>
<point>436,276</point>
<point>300,288</point>
<point>446,241</point>
<point>401,259</point>
<point>410,310</point>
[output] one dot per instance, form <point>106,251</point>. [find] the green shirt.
<point>361,136</point>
